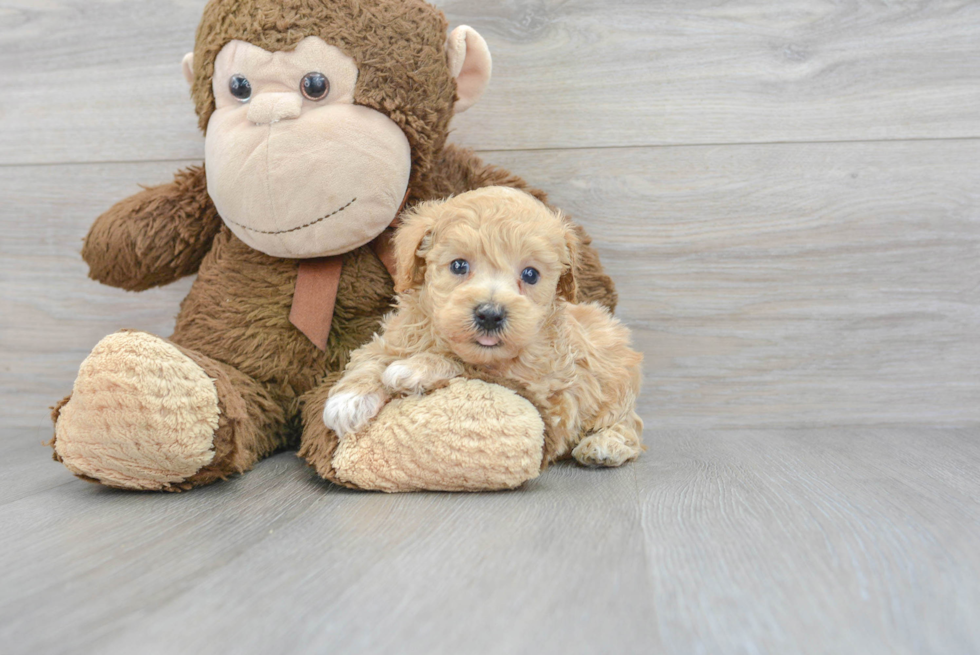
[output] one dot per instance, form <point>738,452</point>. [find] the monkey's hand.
<point>155,236</point>
<point>420,373</point>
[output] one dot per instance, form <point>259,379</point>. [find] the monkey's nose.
<point>490,317</point>
<point>267,108</point>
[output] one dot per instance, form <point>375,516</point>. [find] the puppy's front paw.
<point>607,447</point>
<point>349,412</point>
<point>408,376</point>
<point>402,377</point>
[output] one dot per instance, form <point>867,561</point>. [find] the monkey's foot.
<point>468,436</point>
<point>142,415</point>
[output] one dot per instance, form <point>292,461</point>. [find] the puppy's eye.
<point>240,87</point>
<point>530,275</point>
<point>315,86</point>
<point>459,267</point>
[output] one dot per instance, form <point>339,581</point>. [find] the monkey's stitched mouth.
<point>293,229</point>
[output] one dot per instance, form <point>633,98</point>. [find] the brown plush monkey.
<point>323,118</point>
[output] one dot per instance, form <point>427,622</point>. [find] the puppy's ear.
<point>412,240</point>
<point>567,287</point>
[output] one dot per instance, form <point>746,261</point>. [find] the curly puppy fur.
<point>490,315</point>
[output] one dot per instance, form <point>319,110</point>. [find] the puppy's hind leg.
<point>611,382</point>
<point>613,445</point>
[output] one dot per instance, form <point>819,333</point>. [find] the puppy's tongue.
<point>487,340</point>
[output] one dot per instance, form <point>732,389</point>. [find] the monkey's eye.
<point>459,267</point>
<point>530,275</point>
<point>315,86</point>
<point>240,87</point>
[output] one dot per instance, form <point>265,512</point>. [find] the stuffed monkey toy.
<point>323,119</point>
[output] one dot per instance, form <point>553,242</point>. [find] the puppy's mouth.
<point>488,341</point>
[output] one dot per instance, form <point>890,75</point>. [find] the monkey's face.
<point>295,168</point>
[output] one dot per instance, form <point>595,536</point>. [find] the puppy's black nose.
<point>489,317</point>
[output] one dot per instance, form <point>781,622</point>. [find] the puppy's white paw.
<point>402,377</point>
<point>349,412</point>
<point>606,448</point>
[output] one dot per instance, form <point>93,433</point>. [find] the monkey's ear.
<point>470,64</point>
<point>187,65</point>
<point>412,240</point>
<point>567,287</point>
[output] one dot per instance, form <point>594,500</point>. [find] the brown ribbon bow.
<point>318,281</point>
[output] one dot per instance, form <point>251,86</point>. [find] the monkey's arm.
<point>154,237</point>
<point>459,170</point>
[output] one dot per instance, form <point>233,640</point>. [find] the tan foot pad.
<point>142,415</point>
<point>468,436</point>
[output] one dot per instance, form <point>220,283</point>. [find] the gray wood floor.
<point>858,540</point>
<point>788,196</point>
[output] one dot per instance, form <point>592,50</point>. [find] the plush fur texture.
<point>486,284</point>
<point>271,381</point>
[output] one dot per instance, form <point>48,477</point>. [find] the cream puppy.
<point>486,289</point>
